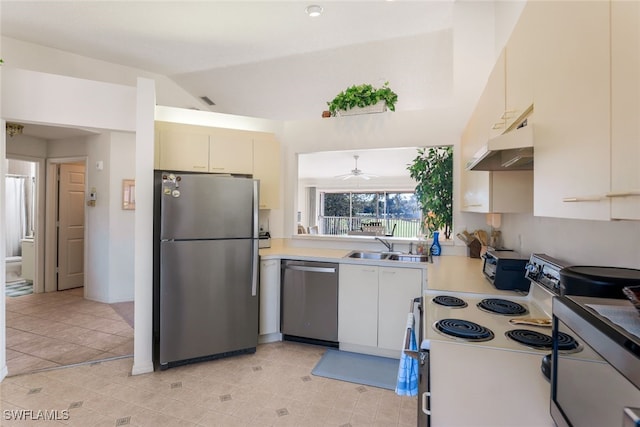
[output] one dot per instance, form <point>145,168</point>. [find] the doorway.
<point>21,207</point>
<point>65,217</point>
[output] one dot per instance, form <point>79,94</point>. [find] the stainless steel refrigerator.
<point>205,267</point>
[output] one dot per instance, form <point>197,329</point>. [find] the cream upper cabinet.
<point>483,191</point>
<point>520,53</point>
<point>266,168</point>
<point>231,151</point>
<point>491,106</point>
<point>625,110</point>
<point>572,165</point>
<point>182,148</point>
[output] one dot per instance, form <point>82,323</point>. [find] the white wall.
<point>578,242</point>
<point>80,103</point>
<point>121,222</point>
<point>72,147</point>
<point>109,262</point>
<point>34,57</point>
<point>97,263</point>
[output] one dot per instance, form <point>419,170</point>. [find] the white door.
<point>71,226</point>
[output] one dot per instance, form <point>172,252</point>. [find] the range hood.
<point>510,151</point>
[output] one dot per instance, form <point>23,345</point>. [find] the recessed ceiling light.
<point>313,10</point>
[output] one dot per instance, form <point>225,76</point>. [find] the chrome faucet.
<point>386,243</point>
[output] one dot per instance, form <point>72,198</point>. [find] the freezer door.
<point>205,206</point>
<point>207,303</point>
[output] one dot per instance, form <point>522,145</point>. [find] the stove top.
<point>458,316</point>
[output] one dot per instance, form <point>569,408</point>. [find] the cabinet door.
<point>572,106</point>
<point>266,168</point>
<point>521,49</point>
<point>358,305</point>
<point>182,150</point>
<point>474,185</point>
<point>269,296</point>
<point>625,110</point>
<point>492,102</point>
<point>231,151</point>
<point>397,289</point>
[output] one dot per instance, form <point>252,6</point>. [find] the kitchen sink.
<point>409,257</point>
<point>388,256</point>
<point>367,255</point>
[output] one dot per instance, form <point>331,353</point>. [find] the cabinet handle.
<point>425,409</point>
<point>508,114</point>
<point>475,205</point>
<point>199,167</point>
<point>218,169</point>
<point>496,126</point>
<point>581,199</point>
<point>623,193</point>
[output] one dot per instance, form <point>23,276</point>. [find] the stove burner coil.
<point>463,329</point>
<point>532,339</point>
<point>540,341</point>
<point>567,343</point>
<point>449,301</point>
<point>502,306</point>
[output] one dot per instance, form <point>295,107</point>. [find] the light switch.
<point>99,165</point>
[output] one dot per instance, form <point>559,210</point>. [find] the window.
<point>385,212</point>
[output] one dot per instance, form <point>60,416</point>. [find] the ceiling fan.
<point>356,173</point>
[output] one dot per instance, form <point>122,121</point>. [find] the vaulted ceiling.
<point>266,58</point>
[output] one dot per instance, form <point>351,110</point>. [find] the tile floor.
<point>62,328</point>
<point>273,387</point>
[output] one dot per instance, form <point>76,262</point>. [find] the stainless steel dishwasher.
<point>309,301</point>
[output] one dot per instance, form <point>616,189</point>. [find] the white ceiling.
<point>385,163</point>
<point>256,58</point>
<point>268,58</point>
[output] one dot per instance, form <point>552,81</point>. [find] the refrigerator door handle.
<point>254,280</point>
<point>256,203</point>
<point>256,233</point>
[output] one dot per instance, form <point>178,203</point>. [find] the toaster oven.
<point>505,269</point>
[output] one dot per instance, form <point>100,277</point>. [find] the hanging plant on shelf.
<point>355,100</point>
<point>432,170</point>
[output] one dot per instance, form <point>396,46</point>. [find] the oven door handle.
<point>411,352</point>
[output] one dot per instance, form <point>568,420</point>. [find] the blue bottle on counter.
<point>435,246</point>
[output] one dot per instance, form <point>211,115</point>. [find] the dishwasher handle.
<point>312,269</point>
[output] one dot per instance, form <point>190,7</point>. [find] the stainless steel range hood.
<point>510,151</point>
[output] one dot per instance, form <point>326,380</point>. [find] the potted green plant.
<point>362,96</point>
<point>432,170</point>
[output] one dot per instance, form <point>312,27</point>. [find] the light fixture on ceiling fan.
<point>356,173</point>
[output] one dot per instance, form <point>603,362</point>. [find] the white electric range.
<point>489,379</point>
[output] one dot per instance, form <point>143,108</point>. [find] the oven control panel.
<point>545,270</point>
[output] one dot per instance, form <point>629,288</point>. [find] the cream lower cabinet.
<point>269,300</point>
<point>373,303</point>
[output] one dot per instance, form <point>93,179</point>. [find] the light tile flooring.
<point>273,387</point>
<point>62,328</point>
